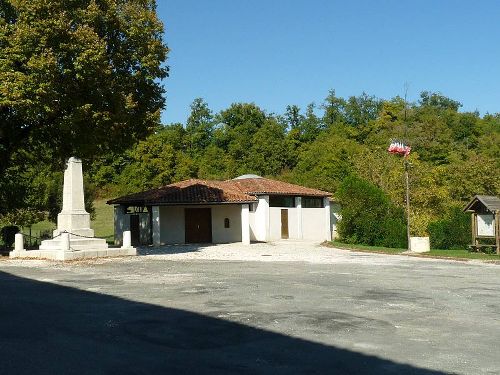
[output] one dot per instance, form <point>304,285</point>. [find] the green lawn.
<point>103,222</point>
<point>434,253</point>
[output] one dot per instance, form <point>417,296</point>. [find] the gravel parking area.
<point>286,307</point>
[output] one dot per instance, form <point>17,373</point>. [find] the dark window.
<point>308,202</point>
<point>226,222</point>
<point>281,201</point>
<point>251,207</point>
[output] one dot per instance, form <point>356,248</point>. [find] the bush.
<point>8,234</point>
<point>368,217</point>
<point>451,232</point>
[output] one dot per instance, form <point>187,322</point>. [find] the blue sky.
<point>277,52</point>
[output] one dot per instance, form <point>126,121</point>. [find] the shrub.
<point>451,232</point>
<point>368,217</point>
<point>8,235</point>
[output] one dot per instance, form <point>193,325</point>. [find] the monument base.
<point>57,254</point>
<point>75,244</point>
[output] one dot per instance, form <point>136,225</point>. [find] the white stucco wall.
<point>275,223</point>
<point>172,226</point>
<point>252,223</point>
<point>313,224</point>
<point>293,223</point>
<point>334,218</point>
<point>225,235</point>
<point>259,225</point>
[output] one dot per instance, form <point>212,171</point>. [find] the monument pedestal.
<point>73,238</point>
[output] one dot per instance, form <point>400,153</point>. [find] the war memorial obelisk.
<point>73,238</point>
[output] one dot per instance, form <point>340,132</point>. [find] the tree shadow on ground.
<point>51,329</point>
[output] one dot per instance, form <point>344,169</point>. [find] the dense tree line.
<point>455,155</point>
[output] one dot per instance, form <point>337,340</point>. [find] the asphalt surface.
<point>146,315</point>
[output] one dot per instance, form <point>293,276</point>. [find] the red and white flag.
<point>399,148</point>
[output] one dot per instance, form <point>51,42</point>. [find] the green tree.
<point>199,126</point>
<point>326,162</point>
<point>78,77</point>
<point>439,101</point>
<point>368,217</point>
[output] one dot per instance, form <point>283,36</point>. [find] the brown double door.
<point>198,225</point>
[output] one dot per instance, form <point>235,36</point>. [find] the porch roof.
<point>489,202</point>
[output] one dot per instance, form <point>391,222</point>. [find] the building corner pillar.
<point>245,224</point>
<point>156,226</point>
<point>298,205</point>
<point>328,227</point>
<point>121,223</point>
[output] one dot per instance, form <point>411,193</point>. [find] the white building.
<point>247,208</point>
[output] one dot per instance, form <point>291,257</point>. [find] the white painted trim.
<point>328,229</point>
<point>245,224</point>
<point>298,205</point>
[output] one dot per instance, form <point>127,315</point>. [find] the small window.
<point>281,201</point>
<point>251,207</point>
<point>226,222</point>
<point>309,202</point>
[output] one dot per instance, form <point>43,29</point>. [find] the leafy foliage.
<point>451,232</point>
<point>368,217</point>
<point>339,146</point>
<point>78,77</point>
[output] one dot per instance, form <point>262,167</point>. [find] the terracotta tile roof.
<point>258,186</point>
<point>196,191</point>
<point>187,192</point>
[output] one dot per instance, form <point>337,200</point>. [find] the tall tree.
<point>199,126</point>
<point>78,77</point>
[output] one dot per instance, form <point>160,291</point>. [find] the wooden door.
<point>135,232</point>
<point>284,224</point>
<point>198,225</point>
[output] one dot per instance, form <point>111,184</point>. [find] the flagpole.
<point>408,234</point>
<point>407,203</point>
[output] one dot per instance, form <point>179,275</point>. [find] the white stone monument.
<point>73,238</point>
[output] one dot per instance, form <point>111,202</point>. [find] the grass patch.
<point>434,253</point>
<point>103,225</point>
<point>375,249</point>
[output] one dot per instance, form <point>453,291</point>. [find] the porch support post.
<point>121,223</point>
<point>497,230</point>
<point>156,226</point>
<point>262,218</point>
<point>298,205</point>
<point>473,230</point>
<point>245,224</point>
<point>328,227</point>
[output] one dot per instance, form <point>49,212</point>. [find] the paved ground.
<point>283,308</point>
